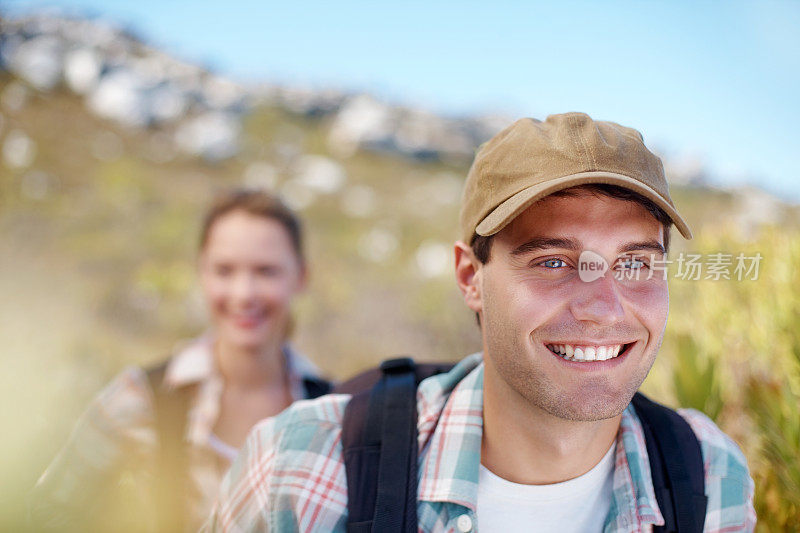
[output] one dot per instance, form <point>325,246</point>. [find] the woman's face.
<point>249,273</point>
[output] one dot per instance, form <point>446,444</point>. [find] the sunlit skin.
<point>547,420</point>
<point>250,274</point>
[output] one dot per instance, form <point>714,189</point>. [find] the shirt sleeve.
<point>289,475</point>
<point>242,501</point>
<point>117,426</point>
<point>729,486</point>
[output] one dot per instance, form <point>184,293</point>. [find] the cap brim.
<point>504,213</point>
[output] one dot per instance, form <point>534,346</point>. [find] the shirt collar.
<point>450,430</point>
<point>633,502</point>
<point>194,364</point>
<point>299,368</point>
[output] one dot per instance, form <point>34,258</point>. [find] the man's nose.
<point>598,301</point>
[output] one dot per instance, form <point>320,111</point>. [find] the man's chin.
<point>593,416</point>
<point>592,407</point>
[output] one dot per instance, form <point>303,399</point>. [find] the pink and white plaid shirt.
<point>290,475</point>
<point>117,430</point>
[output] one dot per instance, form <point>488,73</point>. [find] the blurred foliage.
<point>97,272</point>
<point>776,414</point>
<point>733,347</point>
<point>695,378</point>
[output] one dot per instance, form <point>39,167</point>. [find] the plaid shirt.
<point>117,430</point>
<point>290,475</point>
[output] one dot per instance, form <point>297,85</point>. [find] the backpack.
<point>172,467</point>
<point>379,440</point>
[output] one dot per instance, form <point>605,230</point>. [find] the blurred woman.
<point>165,436</point>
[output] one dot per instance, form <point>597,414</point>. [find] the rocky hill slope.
<point>109,151</point>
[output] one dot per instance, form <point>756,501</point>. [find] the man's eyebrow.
<point>543,243</point>
<point>653,246</point>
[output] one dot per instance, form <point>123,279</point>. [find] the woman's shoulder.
<point>300,364</point>
<point>126,401</point>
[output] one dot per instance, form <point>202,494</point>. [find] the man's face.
<point>532,302</point>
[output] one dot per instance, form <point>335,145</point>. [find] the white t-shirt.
<point>579,505</point>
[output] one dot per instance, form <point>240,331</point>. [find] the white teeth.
<point>601,353</point>
<point>591,354</point>
<point>585,353</point>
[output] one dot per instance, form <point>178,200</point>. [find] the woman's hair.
<point>257,203</point>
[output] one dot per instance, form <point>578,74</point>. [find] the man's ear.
<point>468,276</point>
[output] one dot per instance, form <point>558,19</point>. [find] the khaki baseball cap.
<point>531,159</point>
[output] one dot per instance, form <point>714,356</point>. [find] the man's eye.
<point>553,263</point>
<point>632,263</point>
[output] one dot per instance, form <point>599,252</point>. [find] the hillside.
<point>100,209</point>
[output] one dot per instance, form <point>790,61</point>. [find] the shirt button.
<point>464,523</point>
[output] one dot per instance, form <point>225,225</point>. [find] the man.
<point>565,224</point>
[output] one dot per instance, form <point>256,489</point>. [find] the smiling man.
<point>565,227</point>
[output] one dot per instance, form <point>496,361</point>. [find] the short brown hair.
<point>257,203</point>
<point>482,245</point>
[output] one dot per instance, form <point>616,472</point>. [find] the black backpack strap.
<point>361,457</point>
<point>316,387</point>
<point>379,440</point>
<point>172,469</point>
<point>377,424</point>
<point>676,465</point>
<point>395,402</point>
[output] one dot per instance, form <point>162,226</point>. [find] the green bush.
<point>734,349</point>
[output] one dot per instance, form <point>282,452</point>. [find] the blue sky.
<point>717,80</point>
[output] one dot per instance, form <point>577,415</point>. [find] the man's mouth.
<point>587,352</point>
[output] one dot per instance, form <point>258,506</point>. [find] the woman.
<point>175,428</point>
